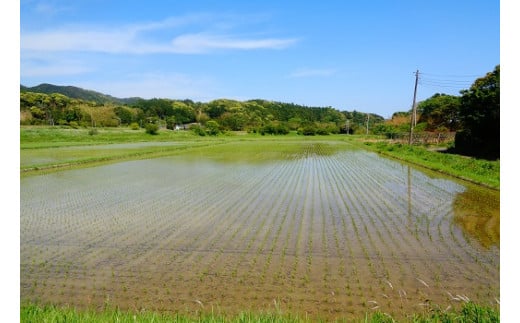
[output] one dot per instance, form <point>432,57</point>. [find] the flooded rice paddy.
<point>325,232</point>
<point>45,157</point>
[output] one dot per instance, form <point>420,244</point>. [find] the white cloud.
<point>201,43</point>
<point>312,72</point>
<point>135,39</point>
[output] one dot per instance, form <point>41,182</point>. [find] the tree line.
<point>261,116</point>
<point>474,115</point>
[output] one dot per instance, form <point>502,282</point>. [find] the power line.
<point>448,85</point>
<point>454,76</point>
<point>436,80</point>
<point>445,81</point>
<point>451,81</point>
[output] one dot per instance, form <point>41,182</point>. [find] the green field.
<point>316,227</point>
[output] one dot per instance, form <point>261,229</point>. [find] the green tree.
<point>152,128</point>
<point>332,115</point>
<point>255,115</point>
<point>182,112</point>
<point>480,118</point>
<point>216,108</point>
<point>275,128</point>
<point>212,128</point>
<point>124,114</point>
<point>170,123</point>
<point>441,111</point>
<point>72,114</point>
<point>198,130</point>
<point>387,130</point>
<point>37,113</point>
<point>161,108</point>
<point>202,118</point>
<point>233,121</point>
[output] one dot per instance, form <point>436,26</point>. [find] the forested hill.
<point>77,93</point>
<point>184,111</point>
<point>69,105</point>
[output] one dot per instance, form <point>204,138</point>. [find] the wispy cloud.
<point>203,43</point>
<point>312,72</point>
<point>136,39</point>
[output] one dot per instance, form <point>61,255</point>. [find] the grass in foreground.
<point>469,312</point>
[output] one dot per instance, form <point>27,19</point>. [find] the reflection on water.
<point>319,231</point>
<point>238,226</point>
<point>409,185</point>
<point>477,212</point>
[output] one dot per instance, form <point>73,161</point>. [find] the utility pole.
<point>368,119</point>
<point>347,123</point>
<point>413,118</point>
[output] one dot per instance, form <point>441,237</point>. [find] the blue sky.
<point>351,55</point>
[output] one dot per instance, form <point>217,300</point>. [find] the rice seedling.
<point>337,227</point>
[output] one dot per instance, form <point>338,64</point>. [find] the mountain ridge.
<point>77,93</point>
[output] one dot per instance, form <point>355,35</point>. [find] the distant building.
<point>186,126</point>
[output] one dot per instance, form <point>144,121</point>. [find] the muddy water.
<point>323,235</point>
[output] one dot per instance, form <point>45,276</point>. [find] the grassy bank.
<point>34,137</point>
<point>478,171</point>
<point>469,312</point>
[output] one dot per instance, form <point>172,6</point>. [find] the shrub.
<point>322,131</point>
<point>170,123</point>
<point>152,128</point>
<point>307,131</point>
<point>282,129</point>
<point>274,129</point>
<point>198,130</point>
<point>213,128</point>
<point>134,126</point>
